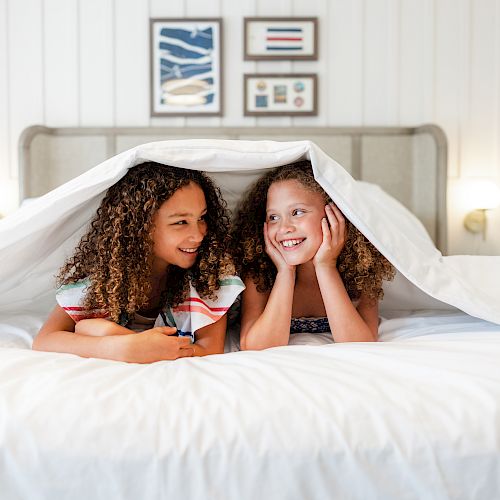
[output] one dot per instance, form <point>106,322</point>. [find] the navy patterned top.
<point>309,325</point>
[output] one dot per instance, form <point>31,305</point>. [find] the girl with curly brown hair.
<point>305,266</point>
<point>152,278</point>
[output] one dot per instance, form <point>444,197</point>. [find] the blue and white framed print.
<point>186,58</point>
<point>280,38</point>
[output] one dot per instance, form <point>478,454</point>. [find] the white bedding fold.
<point>35,240</point>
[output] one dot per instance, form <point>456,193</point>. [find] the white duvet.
<point>416,415</point>
<point>413,417</point>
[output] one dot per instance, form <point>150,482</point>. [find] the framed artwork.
<point>280,95</point>
<point>186,58</point>
<point>280,38</point>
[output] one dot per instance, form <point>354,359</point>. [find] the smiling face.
<point>293,216</point>
<point>179,228</point>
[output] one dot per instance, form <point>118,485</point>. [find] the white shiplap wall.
<point>382,62</point>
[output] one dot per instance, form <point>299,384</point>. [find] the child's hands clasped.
<point>333,237</point>
<point>157,344</point>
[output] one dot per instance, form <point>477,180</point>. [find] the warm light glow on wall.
<point>482,195</point>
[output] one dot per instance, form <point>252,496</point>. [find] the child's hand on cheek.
<point>275,254</point>
<point>333,237</point>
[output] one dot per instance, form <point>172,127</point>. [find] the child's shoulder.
<point>198,311</point>
<point>229,281</point>
<point>229,286</point>
<point>77,287</point>
<point>71,297</point>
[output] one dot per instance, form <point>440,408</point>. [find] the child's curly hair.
<point>116,252</point>
<point>361,266</point>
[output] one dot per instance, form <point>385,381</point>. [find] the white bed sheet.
<point>414,416</point>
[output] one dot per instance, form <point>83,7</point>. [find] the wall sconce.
<point>483,196</point>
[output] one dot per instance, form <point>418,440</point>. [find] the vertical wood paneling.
<point>497,107</point>
<point>318,8</point>
<point>7,186</point>
<point>449,78</point>
<point>344,61</point>
<point>416,66</point>
<point>464,82</point>
<point>382,62</point>
<point>381,56</point>
<point>248,67</point>
<point>61,60</point>
<point>206,8</point>
<point>4,92</point>
<point>234,67</point>
<point>480,156</point>
<point>131,63</point>
<point>161,9</point>
<point>96,52</point>
<point>172,8</point>
<point>25,71</point>
<point>278,8</point>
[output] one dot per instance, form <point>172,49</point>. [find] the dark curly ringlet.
<point>116,252</point>
<point>361,266</point>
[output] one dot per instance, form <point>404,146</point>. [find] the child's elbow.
<point>247,345</point>
<point>373,336</point>
<point>39,342</point>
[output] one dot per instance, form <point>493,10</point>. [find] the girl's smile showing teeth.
<point>292,243</point>
<point>189,250</point>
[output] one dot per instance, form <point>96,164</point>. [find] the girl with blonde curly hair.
<point>305,266</point>
<point>151,279</point>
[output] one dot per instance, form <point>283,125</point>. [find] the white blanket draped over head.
<point>35,240</point>
<point>413,416</point>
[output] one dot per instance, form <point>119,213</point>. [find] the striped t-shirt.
<point>188,317</point>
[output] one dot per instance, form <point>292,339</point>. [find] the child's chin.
<point>295,260</point>
<point>185,265</point>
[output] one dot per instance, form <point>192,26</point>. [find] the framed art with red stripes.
<point>280,38</point>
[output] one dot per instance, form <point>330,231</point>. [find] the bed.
<point>416,415</point>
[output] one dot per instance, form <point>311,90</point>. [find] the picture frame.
<point>280,38</point>
<point>280,94</point>
<point>186,67</point>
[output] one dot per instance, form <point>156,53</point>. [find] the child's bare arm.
<point>368,310</point>
<point>57,335</point>
<point>100,328</point>
<point>210,339</point>
<point>266,317</point>
<point>347,323</point>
